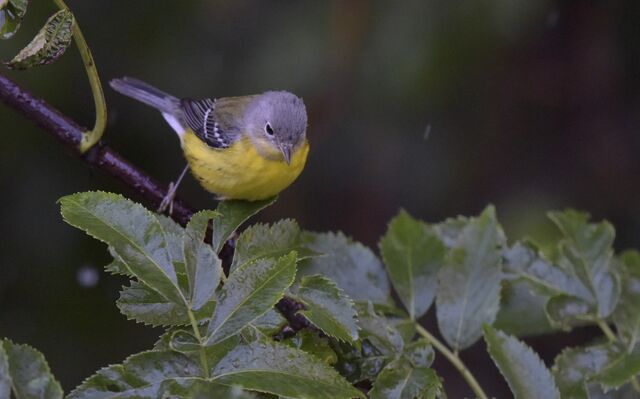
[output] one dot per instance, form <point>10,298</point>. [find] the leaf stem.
<point>196,331</point>
<point>455,361</point>
<point>612,338</point>
<point>606,330</point>
<point>89,138</point>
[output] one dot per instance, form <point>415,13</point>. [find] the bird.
<point>247,147</point>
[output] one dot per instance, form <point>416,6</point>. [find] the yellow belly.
<point>239,172</point>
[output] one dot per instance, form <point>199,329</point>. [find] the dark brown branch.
<point>103,157</point>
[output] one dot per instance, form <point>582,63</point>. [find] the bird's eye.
<point>268,129</point>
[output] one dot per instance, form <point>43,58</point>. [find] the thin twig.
<point>454,360</point>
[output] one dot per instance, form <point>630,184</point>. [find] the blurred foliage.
<point>531,105</point>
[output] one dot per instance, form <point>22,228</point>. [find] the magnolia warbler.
<point>248,147</point>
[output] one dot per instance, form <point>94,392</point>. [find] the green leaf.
<point>401,380</point>
<point>231,215</point>
<point>49,44</point>
<point>420,353</point>
<point>145,375</point>
<point>250,292</point>
<point>140,303</point>
<point>523,369</point>
<point>566,311</point>
<point>133,232</point>
<point>328,308</point>
<point>450,229</point>
<point>627,314</point>
<point>11,14</point>
<point>619,371</point>
<point>516,300</point>
<point>202,265</point>
<point>353,267</point>
<point>184,342</point>
<point>281,370</point>
<point>270,323</point>
<point>468,292</point>
<point>523,261</point>
<point>379,331</point>
<point>28,373</point>
<point>413,254</point>
<point>587,251</point>
<point>573,366</point>
<point>313,344</point>
<point>264,241</point>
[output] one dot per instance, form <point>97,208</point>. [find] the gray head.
<point>277,120</point>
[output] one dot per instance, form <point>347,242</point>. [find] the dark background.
<point>531,105</point>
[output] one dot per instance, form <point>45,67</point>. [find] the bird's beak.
<point>286,153</point>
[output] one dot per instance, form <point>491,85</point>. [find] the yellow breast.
<point>239,171</point>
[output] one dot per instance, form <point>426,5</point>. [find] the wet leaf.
<point>401,380</point>
<point>469,284</point>
<point>627,314</point>
<point>351,265</point>
<point>328,308</point>
<point>523,369</point>
<point>134,233</point>
<point>250,292</point>
<point>281,370</point>
<point>413,254</point>
<point>26,370</point>
<point>231,214</point>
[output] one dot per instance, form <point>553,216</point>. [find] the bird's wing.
<point>216,122</point>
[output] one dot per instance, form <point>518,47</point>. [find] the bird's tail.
<point>144,92</point>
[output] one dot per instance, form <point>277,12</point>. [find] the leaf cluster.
<point>224,337</point>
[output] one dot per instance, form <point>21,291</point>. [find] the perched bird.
<point>248,147</point>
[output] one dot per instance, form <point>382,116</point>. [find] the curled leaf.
<point>49,44</point>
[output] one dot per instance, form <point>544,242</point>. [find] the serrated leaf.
<point>133,232</point>
<point>379,331</point>
<point>231,214</point>
<point>313,344</point>
<point>468,292</point>
<point>270,323</point>
<point>619,371</point>
<point>184,342</point>
<point>148,374</point>
<point>328,308</point>
<point>523,261</point>
<point>202,265</point>
<point>420,353</point>
<point>523,369</point>
<point>401,380</point>
<point>586,250</point>
<point>249,293</point>
<point>413,254</point>
<point>28,373</point>
<point>627,314</point>
<point>281,370</point>
<point>264,241</point>
<point>573,366</point>
<point>49,44</point>
<point>565,311</point>
<point>139,302</point>
<point>353,267</point>
<point>11,14</point>
<point>516,299</point>
<point>450,229</point>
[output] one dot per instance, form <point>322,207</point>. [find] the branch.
<point>103,157</point>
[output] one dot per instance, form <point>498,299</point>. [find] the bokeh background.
<point>439,107</point>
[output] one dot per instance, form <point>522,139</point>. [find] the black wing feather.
<point>201,118</point>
